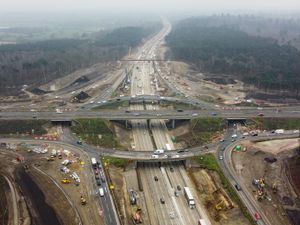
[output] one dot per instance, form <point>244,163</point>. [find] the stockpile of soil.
<point>80,80</point>
<point>82,96</point>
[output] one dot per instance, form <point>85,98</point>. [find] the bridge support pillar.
<point>173,124</point>
<point>126,124</point>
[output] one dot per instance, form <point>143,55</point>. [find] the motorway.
<point>175,209</point>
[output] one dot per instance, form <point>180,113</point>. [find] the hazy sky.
<point>151,5</point>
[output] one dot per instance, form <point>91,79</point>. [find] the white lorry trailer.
<point>189,197</point>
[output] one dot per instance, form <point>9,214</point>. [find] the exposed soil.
<point>281,206</point>
<point>220,207</point>
<point>41,213</point>
<point>221,80</point>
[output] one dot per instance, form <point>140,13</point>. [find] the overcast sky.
<point>151,5</point>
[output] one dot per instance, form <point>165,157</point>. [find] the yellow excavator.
<point>221,206</point>
<point>82,200</point>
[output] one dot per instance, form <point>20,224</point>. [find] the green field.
<point>23,126</point>
<point>97,132</point>
<point>202,130</point>
<point>277,123</point>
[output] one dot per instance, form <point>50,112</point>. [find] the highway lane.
<point>153,190</point>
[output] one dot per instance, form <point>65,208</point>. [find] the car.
<point>214,114</point>
<point>171,169</point>
<point>257,216</point>
<point>178,188</point>
<point>260,114</point>
<point>179,110</point>
<point>91,102</point>
<point>234,135</point>
<point>127,111</point>
<point>162,200</point>
<point>98,182</point>
<point>233,140</point>
<point>220,157</point>
<point>97,177</point>
<point>97,171</point>
<point>195,114</point>
<point>180,151</point>
<point>155,178</point>
<point>176,193</point>
<point>102,179</point>
<point>136,114</point>
<point>222,140</point>
<point>238,187</point>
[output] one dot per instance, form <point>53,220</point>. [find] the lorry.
<point>159,151</point>
<point>201,222</point>
<point>94,162</point>
<point>189,197</point>
<point>168,147</point>
<point>279,131</point>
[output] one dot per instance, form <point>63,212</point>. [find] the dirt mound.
<point>82,96</point>
<point>80,80</point>
<point>294,216</point>
<point>38,91</point>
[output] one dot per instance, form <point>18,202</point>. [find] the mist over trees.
<point>221,49</point>
<point>40,62</point>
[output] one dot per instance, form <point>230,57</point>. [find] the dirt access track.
<point>269,160</point>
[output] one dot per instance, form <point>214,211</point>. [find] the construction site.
<point>268,171</point>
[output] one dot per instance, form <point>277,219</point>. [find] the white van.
<point>101,192</point>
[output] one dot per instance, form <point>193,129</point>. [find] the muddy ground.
<point>270,160</point>
<point>212,196</point>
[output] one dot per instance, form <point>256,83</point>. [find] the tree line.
<point>223,50</point>
<point>40,62</point>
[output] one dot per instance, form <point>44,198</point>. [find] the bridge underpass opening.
<point>66,123</point>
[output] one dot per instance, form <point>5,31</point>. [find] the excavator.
<point>82,200</point>
<point>221,206</point>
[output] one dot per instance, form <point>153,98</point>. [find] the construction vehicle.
<point>136,215</point>
<point>82,200</point>
<point>221,206</point>
<point>65,181</point>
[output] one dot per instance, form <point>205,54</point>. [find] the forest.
<point>223,49</point>
<point>39,62</point>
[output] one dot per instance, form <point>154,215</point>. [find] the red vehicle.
<point>260,114</point>
<point>257,216</point>
<point>97,171</point>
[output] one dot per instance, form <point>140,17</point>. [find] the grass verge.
<point>97,132</point>
<point>118,162</point>
<point>23,126</point>
<point>277,123</point>
<point>208,161</point>
<point>202,130</point>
